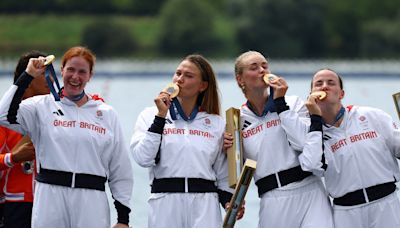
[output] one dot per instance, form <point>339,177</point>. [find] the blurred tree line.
<point>223,28</point>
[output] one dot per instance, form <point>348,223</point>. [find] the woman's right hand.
<point>163,102</point>
<point>312,105</point>
<point>36,67</point>
<point>228,141</point>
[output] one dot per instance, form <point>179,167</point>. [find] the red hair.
<point>82,52</point>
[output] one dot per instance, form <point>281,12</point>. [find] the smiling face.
<point>250,70</point>
<point>76,74</point>
<point>188,78</point>
<point>328,81</point>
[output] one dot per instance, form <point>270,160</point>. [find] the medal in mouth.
<point>269,77</point>
<point>321,94</point>
<point>172,89</point>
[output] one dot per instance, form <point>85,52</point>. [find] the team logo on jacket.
<point>207,123</point>
<point>168,121</point>
<point>395,126</point>
<point>99,114</point>
<point>364,124</point>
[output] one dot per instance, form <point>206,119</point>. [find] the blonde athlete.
<point>180,141</point>
<point>79,146</point>
<point>360,145</point>
<point>274,127</point>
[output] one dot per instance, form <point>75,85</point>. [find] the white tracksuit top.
<point>86,139</point>
<point>360,153</point>
<point>191,149</point>
<point>274,142</point>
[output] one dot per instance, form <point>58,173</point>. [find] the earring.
<point>243,87</point>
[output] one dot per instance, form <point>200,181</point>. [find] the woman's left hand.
<point>280,87</point>
<point>241,211</point>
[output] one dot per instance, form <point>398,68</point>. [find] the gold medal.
<point>269,77</point>
<point>321,94</point>
<point>49,59</point>
<point>172,89</point>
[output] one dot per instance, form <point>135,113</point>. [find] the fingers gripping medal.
<point>51,77</point>
<point>172,89</point>
<point>321,94</point>
<point>269,77</point>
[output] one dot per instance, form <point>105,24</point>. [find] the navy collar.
<point>338,116</point>
<point>268,107</point>
<point>76,97</point>
<point>176,108</point>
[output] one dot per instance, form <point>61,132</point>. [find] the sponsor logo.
<point>246,124</point>
<point>58,112</point>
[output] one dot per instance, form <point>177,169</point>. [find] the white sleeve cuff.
<point>7,160</point>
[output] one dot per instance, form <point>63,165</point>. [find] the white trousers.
<point>304,207</point>
<point>184,210</point>
<point>64,207</point>
<point>382,213</point>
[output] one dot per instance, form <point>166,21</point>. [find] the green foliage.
<point>380,38</point>
<point>217,28</point>
<point>187,27</point>
<point>107,38</point>
<point>285,28</point>
<point>147,7</point>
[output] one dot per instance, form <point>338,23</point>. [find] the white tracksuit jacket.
<point>86,139</point>
<point>275,142</point>
<point>189,149</point>
<point>266,140</point>
<point>360,153</point>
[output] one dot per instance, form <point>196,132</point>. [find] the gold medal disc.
<point>172,89</point>
<point>269,77</point>
<point>321,94</point>
<point>49,59</point>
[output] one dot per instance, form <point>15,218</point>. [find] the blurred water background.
<point>130,86</point>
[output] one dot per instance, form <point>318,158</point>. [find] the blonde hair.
<point>239,61</point>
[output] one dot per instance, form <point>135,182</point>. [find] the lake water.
<point>130,95</point>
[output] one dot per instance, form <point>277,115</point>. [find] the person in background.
<point>180,141</point>
<point>360,146</point>
<point>273,129</point>
<point>79,146</point>
<point>17,163</point>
